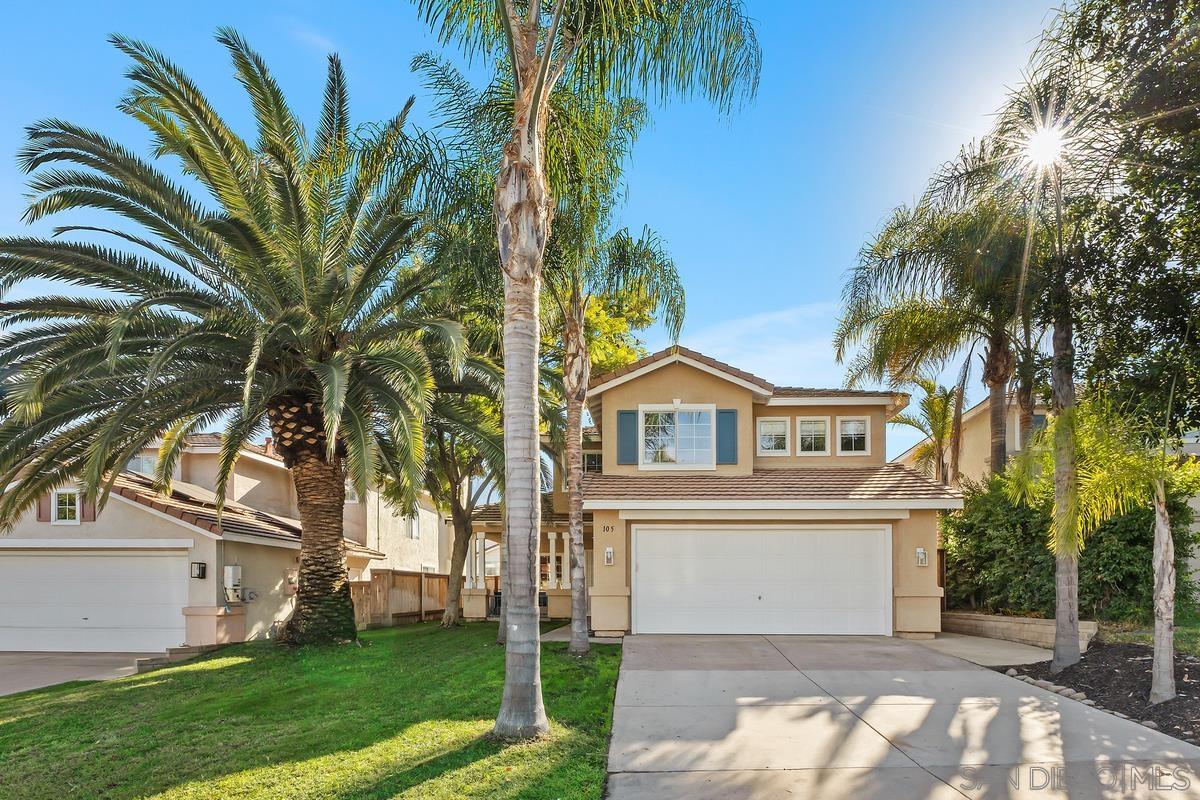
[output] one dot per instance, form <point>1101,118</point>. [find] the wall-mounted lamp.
<point>922,557</point>
<point>199,569</point>
<point>608,556</point>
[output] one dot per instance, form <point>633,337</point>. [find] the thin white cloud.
<point>312,38</point>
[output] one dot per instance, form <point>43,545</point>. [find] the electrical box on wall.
<point>233,582</point>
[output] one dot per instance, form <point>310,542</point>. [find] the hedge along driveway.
<point>404,716</point>
<point>997,558</point>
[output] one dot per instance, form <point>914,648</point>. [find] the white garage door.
<point>68,602</point>
<point>754,580</point>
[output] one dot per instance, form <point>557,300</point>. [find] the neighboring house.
<point>1191,446</point>
<point>975,458</point>
<point>154,571</point>
<point>717,502</point>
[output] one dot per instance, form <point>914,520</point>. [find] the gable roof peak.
<point>677,353</point>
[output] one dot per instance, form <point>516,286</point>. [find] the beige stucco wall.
<point>265,574</point>
<point>388,533</point>
<point>688,385</point>
<point>917,598</point>
<point>877,430</point>
<point>975,456</point>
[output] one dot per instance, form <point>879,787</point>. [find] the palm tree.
<point>288,301</point>
<point>1121,464</point>
<point>935,423</point>
<point>934,282</point>
<point>705,47</point>
<point>623,266</point>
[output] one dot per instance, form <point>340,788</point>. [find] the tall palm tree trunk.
<point>576,372</point>
<point>463,531</point>
<point>523,217</point>
<point>1162,674</point>
<point>324,609</point>
<point>997,370</point>
<point>1025,411</point>
<point>1066,576</point>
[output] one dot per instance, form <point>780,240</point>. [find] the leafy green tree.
<point>936,423</point>
<point>288,301</point>
<point>1121,464</point>
<point>614,49</point>
<point>936,281</point>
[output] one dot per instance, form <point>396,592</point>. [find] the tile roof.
<point>766,386</point>
<point>214,440</point>
<point>490,515</point>
<point>197,506</point>
<point>892,482</point>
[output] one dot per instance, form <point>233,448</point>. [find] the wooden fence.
<point>393,597</point>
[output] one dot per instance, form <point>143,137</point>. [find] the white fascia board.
<point>678,358</point>
<point>830,401</point>
<point>265,540</point>
<point>95,544</point>
<point>155,512</point>
<point>765,515</point>
<point>250,454</point>
<point>854,505</point>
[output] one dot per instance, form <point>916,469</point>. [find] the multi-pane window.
<point>414,527</point>
<point>142,463</point>
<point>351,492</point>
<point>852,436</point>
<point>681,437</point>
<point>773,437</point>
<point>65,507</point>
<point>813,436</point>
<point>593,463</point>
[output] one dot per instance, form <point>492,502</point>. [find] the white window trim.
<point>352,498</point>
<point>828,436</point>
<point>54,520</point>
<point>711,408</point>
<point>787,436</point>
<point>413,523</point>
<point>587,453</point>
<point>854,418</point>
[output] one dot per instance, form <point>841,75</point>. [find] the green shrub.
<point>997,560</point>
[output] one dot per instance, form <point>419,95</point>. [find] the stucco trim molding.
<point>89,543</point>
<point>825,505</point>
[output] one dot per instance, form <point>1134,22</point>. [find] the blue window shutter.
<point>727,436</point>
<point>627,444</point>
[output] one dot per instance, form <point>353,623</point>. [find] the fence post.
<point>421,597</point>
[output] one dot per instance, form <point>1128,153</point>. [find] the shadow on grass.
<point>416,698</point>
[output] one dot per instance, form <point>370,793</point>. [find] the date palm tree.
<point>935,423</point>
<point>623,266</point>
<point>686,47</point>
<point>287,299</point>
<point>936,282</point>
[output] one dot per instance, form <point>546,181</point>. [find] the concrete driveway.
<point>864,718</point>
<point>20,672</point>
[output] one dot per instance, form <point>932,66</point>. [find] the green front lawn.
<point>1187,633</point>
<point>404,716</point>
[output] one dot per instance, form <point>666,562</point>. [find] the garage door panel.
<point>797,581</point>
<point>96,602</point>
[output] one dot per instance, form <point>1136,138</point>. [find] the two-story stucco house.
<point>150,571</point>
<point>717,502</point>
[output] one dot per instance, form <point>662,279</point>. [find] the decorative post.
<point>552,578</point>
<point>566,572</point>
<point>480,560</point>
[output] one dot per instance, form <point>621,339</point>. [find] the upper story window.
<point>774,437</point>
<point>678,437</point>
<point>64,507</point>
<point>593,463</point>
<point>351,493</point>
<point>812,436</point>
<point>142,464</point>
<point>854,436</point>
<point>414,526</point>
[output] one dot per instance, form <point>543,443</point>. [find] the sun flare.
<point>1044,146</point>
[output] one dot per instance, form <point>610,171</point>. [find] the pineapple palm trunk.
<point>324,609</point>
<point>1066,490</point>
<point>1162,674</point>
<point>576,372</point>
<point>463,531</point>
<point>523,217</point>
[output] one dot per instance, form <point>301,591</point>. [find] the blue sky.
<point>764,210</point>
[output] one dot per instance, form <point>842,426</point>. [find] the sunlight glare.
<point>1044,146</point>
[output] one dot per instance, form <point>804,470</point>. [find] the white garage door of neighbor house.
<point>762,580</point>
<point>115,602</point>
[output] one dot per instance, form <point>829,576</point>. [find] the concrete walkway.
<point>864,718</point>
<point>986,652</point>
<point>20,672</point>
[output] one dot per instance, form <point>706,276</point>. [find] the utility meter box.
<point>233,582</point>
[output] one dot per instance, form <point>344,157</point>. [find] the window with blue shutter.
<point>627,437</point>
<point>727,436</point>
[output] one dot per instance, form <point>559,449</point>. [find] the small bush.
<point>997,560</point>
